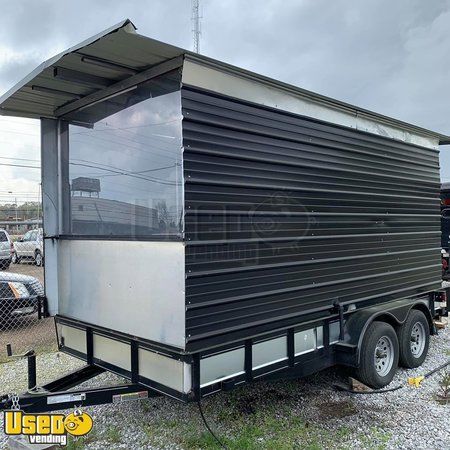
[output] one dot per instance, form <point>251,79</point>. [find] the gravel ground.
<point>28,268</point>
<point>26,333</point>
<point>306,413</point>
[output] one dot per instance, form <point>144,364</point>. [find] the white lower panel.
<point>305,341</point>
<point>268,352</point>
<point>166,371</point>
<point>219,367</point>
<point>112,352</point>
<point>132,287</point>
<point>153,366</point>
<point>72,338</point>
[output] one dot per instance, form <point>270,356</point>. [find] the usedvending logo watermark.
<point>281,214</point>
<point>47,428</point>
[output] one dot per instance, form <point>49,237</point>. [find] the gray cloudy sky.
<point>392,57</point>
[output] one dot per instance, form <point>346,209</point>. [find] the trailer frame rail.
<point>57,394</point>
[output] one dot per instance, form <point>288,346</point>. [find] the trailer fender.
<point>395,313</point>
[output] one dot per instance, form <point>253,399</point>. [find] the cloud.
<point>391,57</point>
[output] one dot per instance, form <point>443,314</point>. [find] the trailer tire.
<point>414,339</point>
<point>379,355</point>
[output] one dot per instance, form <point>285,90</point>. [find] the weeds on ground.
<point>376,439</point>
<point>444,388</point>
<point>112,434</point>
<point>75,444</point>
<point>245,420</point>
<point>264,431</point>
<point>81,442</point>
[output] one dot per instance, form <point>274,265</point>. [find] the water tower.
<point>85,187</point>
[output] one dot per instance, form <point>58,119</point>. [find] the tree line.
<point>25,211</point>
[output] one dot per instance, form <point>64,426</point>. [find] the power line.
<point>19,159</point>
<point>14,194</point>
<point>126,173</point>
<point>139,172</point>
<point>20,165</point>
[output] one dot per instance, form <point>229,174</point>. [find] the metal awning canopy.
<point>101,62</point>
<point>117,59</point>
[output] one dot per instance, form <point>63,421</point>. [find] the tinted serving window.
<point>125,172</point>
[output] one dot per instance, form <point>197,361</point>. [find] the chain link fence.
<point>23,321</point>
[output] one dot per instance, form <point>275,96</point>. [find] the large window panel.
<point>125,173</point>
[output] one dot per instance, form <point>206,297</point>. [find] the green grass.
<point>270,433</point>
<point>112,435</point>
<point>80,443</point>
<point>247,423</point>
<point>375,439</point>
<point>75,444</point>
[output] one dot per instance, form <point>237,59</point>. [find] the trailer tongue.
<point>206,227</point>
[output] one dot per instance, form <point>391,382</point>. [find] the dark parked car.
<point>19,296</point>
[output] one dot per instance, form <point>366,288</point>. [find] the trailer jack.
<point>59,393</point>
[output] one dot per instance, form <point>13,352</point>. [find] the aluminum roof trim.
<point>317,98</point>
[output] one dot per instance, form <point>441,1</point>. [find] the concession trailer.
<point>205,226</point>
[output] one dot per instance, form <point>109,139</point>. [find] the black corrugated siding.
<point>284,214</point>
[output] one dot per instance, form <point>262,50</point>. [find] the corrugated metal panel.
<point>285,214</point>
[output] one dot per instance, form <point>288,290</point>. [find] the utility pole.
<point>39,206</point>
<point>196,24</point>
<point>17,217</point>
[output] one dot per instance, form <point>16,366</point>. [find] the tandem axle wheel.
<point>384,348</point>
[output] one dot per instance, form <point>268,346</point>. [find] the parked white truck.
<point>30,247</point>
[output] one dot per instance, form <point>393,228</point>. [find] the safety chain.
<point>14,398</point>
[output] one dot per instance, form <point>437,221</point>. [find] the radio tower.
<point>196,24</point>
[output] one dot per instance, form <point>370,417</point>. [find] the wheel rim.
<point>418,337</point>
<point>384,356</point>
<point>38,259</point>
